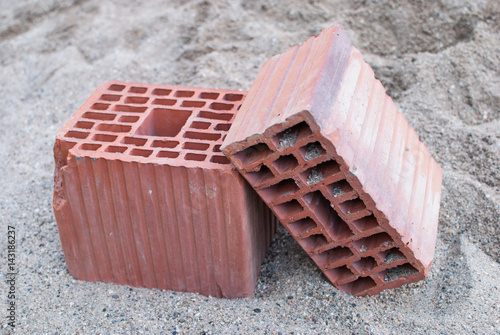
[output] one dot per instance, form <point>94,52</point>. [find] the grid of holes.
<point>107,123</point>
<point>322,210</point>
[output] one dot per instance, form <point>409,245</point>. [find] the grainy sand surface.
<point>439,60</point>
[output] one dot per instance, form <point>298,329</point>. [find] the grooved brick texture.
<point>326,149</point>
<point>143,195</point>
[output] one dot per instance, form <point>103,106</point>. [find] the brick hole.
<point>164,102</point>
<point>99,116</point>
<point>220,106</point>
<point>339,274</point>
<point>141,152</point>
<point>255,178</point>
<point>164,122</point>
<point>232,97</point>
<point>116,87</point>
<point>255,153</point>
<point>358,286</point>
<point>223,126</point>
<point>320,206</point>
<point>321,171</point>
<point>202,136</point>
<point>352,206</point>
<point>285,163</point>
<point>110,97</point>
<point>200,125</point>
<point>209,95</point>
<point>164,144</point>
<point>313,242</point>
<point>138,90</point>
<point>90,146</point>
<point>215,116</point>
<point>238,108</point>
<point>167,154</point>
<point>193,104</point>
<point>76,134</point>
<point>161,91</point>
<point>381,240</point>
<point>195,157</point>
<point>333,256</point>
<point>129,109</point>
<point>196,146</point>
<point>100,106</point>
<point>337,228</point>
<point>301,226</point>
<point>84,124</point>
<point>312,151</point>
<point>115,128</point>
<point>135,141</point>
<point>128,118</point>
<point>288,137</point>
<point>391,255</point>
<point>136,100</point>
<point>116,149</point>
<point>184,94</point>
<point>399,272</point>
<point>104,137</point>
<point>365,264</point>
<point>220,160</point>
<point>217,148</point>
<point>281,189</point>
<point>338,188</point>
<point>366,223</point>
<point>288,209</point>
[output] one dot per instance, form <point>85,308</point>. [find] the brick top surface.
<point>162,124</point>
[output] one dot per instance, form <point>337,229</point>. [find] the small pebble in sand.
<point>289,138</point>
<point>398,272</point>
<point>363,248</point>
<point>314,177</point>
<point>313,151</point>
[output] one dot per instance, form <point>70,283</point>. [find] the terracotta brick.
<point>144,197</point>
<point>326,149</point>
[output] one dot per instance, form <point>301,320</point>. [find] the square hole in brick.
<point>377,241</point>
<point>262,175</point>
<point>314,242</point>
<point>195,157</point>
<point>141,152</point>
<point>184,94</point>
<point>167,154</point>
<point>136,100</point>
<point>209,95</point>
<point>365,264</point>
<point>399,272</point>
<point>220,106</point>
<point>352,206</point>
<point>391,255</point>
<point>339,274</point>
<point>285,163</point>
<point>223,126</point>
<point>99,106</point>
<point>366,223</point>
<point>116,87</point>
<point>202,136</point>
<point>161,91</point>
<point>164,102</point>
<point>338,188</point>
<point>99,116</point>
<point>280,190</point>
<point>90,146</point>
<point>288,209</point>
<point>215,116</point>
<point>135,141</point>
<point>129,109</point>
<point>217,148</point>
<point>321,171</point>
<point>137,89</point>
<point>84,124</point>
<point>250,155</point>
<point>128,118</point>
<point>359,286</point>
<point>320,206</point>
<point>110,97</point>
<point>337,228</point>
<point>220,159</point>
<point>164,122</point>
<point>301,226</point>
<point>104,137</point>
<point>332,256</point>
<point>196,146</point>
<point>193,104</point>
<point>116,149</point>
<point>114,128</point>
<point>233,97</point>
<point>76,134</point>
<point>164,144</point>
<point>288,137</point>
<point>200,125</point>
<point>312,151</point>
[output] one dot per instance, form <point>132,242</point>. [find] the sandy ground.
<point>439,60</point>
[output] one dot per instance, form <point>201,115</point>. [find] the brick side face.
<point>339,165</point>
<point>144,197</point>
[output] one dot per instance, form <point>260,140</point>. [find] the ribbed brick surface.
<point>326,149</point>
<point>144,197</point>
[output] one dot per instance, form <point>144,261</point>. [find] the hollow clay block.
<point>324,146</point>
<point>144,197</point>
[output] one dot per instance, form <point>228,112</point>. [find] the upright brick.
<point>144,197</point>
<point>324,146</point>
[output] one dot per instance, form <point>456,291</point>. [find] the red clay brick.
<point>326,149</point>
<point>144,197</point>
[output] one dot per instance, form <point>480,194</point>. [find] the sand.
<point>439,60</point>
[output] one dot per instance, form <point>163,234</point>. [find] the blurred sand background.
<point>439,60</point>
